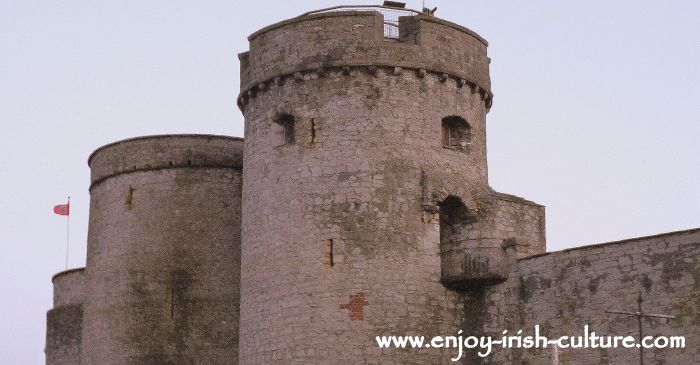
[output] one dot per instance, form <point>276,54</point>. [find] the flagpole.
<point>67,232</point>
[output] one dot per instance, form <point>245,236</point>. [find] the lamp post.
<point>640,314</point>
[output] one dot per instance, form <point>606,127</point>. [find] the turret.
<point>163,251</point>
<point>64,321</point>
<point>361,137</point>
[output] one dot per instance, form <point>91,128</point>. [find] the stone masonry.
<point>162,267</point>
<point>357,205</point>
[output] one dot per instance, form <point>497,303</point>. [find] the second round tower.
<point>163,252</point>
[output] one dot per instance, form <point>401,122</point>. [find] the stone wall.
<point>563,291</point>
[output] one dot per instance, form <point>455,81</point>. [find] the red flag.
<point>62,209</point>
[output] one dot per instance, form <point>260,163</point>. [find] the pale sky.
<point>596,114</point>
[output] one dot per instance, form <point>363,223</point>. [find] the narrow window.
<point>172,303</point>
<point>313,131</point>
<point>130,197</point>
<point>456,133</point>
<point>327,257</point>
<point>283,130</point>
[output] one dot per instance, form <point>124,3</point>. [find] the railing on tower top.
<point>391,15</point>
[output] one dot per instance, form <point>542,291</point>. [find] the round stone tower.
<point>64,321</point>
<point>163,251</point>
<point>358,133</point>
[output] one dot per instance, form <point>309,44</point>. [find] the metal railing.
<point>391,15</point>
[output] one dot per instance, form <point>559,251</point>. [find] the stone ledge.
<point>99,180</point>
<point>617,243</point>
<point>513,198</point>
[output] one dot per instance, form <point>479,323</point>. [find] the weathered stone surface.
<point>563,291</point>
<point>355,38</point>
<point>63,335</point>
<point>367,171</point>
<point>163,252</point>
<point>69,287</point>
<point>364,210</point>
<point>64,321</point>
<point>153,153</point>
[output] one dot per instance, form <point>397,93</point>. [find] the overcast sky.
<point>596,114</point>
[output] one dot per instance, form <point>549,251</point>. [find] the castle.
<point>357,205</point>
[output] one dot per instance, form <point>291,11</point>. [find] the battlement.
<point>317,42</point>
<point>391,15</point>
<point>165,152</point>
